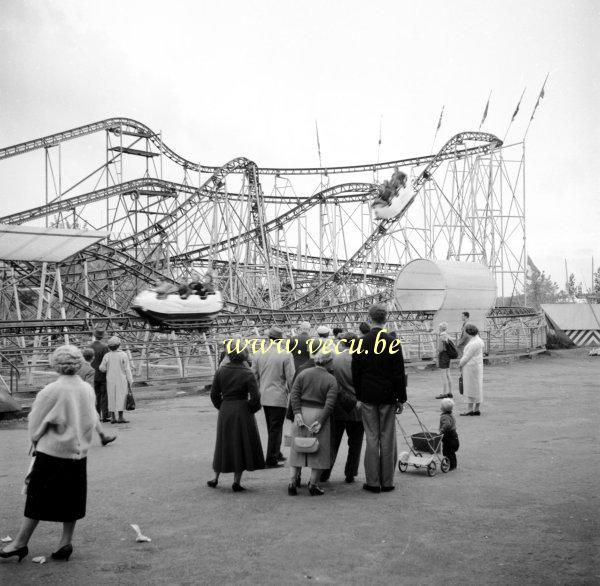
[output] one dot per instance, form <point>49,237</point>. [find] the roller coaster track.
<point>131,187</point>
<point>491,143</point>
<point>130,126</point>
<point>232,322</point>
<point>275,223</point>
<point>371,278</point>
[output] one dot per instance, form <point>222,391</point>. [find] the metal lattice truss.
<point>277,244</point>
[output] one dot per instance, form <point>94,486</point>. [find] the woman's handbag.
<point>306,445</point>
<point>460,385</point>
<point>129,401</point>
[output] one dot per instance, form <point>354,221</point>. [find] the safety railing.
<point>175,359</point>
<point>9,375</point>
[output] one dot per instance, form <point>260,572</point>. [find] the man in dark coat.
<point>464,337</point>
<point>380,385</point>
<point>100,349</point>
<point>301,350</point>
<point>346,415</point>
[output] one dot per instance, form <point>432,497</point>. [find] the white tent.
<point>28,243</point>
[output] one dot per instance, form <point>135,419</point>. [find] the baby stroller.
<point>425,450</point>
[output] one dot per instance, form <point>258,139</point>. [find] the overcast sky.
<point>223,79</point>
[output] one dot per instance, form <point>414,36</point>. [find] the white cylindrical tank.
<point>448,288</point>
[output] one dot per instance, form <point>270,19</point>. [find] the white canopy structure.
<point>448,288</point>
<point>28,243</point>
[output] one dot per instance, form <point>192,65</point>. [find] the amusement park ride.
<point>280,244</point>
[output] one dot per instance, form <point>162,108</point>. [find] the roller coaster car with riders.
<point>175,312</point>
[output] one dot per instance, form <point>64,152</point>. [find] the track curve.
<point>490,143</point>
<point>119,124</point>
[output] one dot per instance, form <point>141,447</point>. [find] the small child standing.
<point>450,443</point>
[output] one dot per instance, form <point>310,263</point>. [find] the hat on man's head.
<point>99,334</point>
<point>275,332</point>
<point>304,326</point>
<point>323,331</point>
<point>113,341</point>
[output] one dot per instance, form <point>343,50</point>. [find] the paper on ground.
<point>140,538</point>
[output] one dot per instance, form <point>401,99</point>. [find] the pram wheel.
<point>402,466</point>
<point>431,468</point>
<point>445,465</point>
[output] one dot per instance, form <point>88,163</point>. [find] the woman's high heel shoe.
<point>292,489</point>
<point>315,490</point>
<point>237,487</point>
<point>213,483</point>
<point>64,553</point>
<point>21,552</point>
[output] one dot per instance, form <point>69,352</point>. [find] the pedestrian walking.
<point>312,398</point>
<point>100,349</point>
<point>380,385</point>
<point>61,426</point>
<point>347,415</point>
<point>118,379</point>
<point>235,394</point>
<point>274,371</point>
<point>471,368</point>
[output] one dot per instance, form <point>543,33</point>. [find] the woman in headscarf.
<point>313,398</point>
<point>118,379</point>
<point>61,427</point>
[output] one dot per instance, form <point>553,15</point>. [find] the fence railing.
<point>180,359</point>
<point>9,375</point>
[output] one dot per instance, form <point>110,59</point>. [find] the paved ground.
<point>522,508</point>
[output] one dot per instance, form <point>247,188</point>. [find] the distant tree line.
<point>541,288</point>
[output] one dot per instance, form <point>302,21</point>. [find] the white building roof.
<point>28,243</point>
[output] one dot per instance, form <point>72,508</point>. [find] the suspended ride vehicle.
<point>174,311</point>
<point>392,196</point>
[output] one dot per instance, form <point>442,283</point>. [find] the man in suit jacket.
<point>274,371</point>
<point>380,385</point>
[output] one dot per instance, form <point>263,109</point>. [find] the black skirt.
<point>238,445</point>
<point>443,359</point>
<point>57,489</point>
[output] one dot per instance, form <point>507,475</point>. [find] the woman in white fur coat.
<point>471,368</point>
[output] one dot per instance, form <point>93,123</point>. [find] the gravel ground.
<point>522,507</point>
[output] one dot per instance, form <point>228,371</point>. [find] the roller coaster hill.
<point>122,211</point>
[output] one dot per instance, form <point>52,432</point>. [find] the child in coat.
<point>450,443</point>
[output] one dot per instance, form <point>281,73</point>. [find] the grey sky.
<point>223,79</point>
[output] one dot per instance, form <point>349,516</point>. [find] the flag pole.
<point>542,94</point>
<point>485,112</point>
<point>514,114</point>
<point>378,148</point>
<point>318,143</point>
<point>439,124</point>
